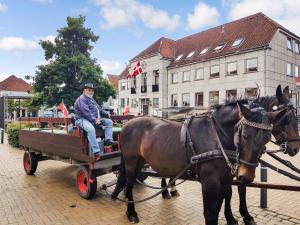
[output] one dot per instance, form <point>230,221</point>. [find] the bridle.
<point>239,127</point>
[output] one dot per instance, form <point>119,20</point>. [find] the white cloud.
<point>203,16</point>
<point>17,43</point>
<point>46,38</point>
<point>285,12</point>
<point>43,1</point>
<point>3,8</point>
<point>111,67</point>
<point>120,13</point>
<point>81,11</point>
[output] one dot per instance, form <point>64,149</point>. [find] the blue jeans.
<point>91,132</point>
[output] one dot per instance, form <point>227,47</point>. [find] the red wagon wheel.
<point>86,185</point>
<point>30,162</point>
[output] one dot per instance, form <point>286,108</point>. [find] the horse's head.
<point>252,133</point>
<point>285,130</point>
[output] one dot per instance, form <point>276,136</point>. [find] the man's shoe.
<point>110,142</point>
<point>97,156</point>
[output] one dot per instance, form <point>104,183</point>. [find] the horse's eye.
<point>275,107</point>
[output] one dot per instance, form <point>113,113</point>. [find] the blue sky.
<point>125,27</point>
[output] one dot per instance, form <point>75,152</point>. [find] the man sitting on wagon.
<point>89,114</point>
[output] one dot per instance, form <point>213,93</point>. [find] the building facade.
<point>228,61</point>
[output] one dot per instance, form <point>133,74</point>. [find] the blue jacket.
<point>87,108</point>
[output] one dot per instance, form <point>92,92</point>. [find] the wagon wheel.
<point>30,162</point>
<point>86,185</point>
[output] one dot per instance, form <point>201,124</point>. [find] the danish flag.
<point>136,71</point>
<point>63,108</point>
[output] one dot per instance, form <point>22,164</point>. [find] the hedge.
<point>13,132</point>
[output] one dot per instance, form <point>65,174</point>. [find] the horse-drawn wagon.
<point>70,145</point>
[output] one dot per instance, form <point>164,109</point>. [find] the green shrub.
<point>13,132</point>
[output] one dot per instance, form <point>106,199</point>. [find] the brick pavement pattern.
<point>50,197</point>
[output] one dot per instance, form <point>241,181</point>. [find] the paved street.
<point>50,197</point>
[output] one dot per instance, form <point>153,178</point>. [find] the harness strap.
<point>213,154</point>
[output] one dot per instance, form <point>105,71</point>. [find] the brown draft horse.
<point>157,142</point>
<point>286,134</point>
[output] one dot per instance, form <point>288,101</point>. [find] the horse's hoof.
<point>133,218</point>
<point>174,193</point>
<point>249,222</point>
<point>166,195</point>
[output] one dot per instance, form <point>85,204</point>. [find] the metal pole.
<point>2,135</point>
<point>263,191</point>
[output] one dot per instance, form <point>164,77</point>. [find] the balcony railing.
<point>155,88</point>
<point>143,89</point>
<point>133,91</point>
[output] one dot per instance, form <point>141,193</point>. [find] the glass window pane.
<point>237,42</point>
<point>296,71</point>
<point>186,75</point>
<point>204,51</point>
<point>251,65</point>
<point>174,100</point>
<point>191,54</point>
<point>186,99</point>
<point>289,43</point>
<point>289,69</point>
<point>214,71</point>
<point>297,47</point>
<point>232,68</point>
<point>199,74</point>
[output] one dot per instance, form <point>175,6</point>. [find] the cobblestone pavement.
<point>50,197</point>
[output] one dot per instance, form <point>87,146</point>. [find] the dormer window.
<point>204,51</point>
<point>190,55</point>
<point>179,57</point>
<point>237,42</point>
<point>219,47</point>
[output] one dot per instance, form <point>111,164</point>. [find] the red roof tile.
<point>113,79</point>
<point>124,73</point>
<point>12,83</point>
<point>256,30</point>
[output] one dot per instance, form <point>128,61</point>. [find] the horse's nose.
<point>243,180</point>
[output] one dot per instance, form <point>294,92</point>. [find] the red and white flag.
<point>63,108</point>
<point>136,71</point>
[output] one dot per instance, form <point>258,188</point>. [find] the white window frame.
<point>123,86</point>
<point>190,54</point>
<point>239,42</point>
<point>297,49</point>
<point>179,57</point>
<point>196,73</point>
<point>213,102</point>
<point>296,71</point>
<point>172,99</point>
<point>234,72</point>
<point>248,70</point>
<point>204,51</point>
<point>289,69</point>
<point>196,98</point>
<point>214,75</point>
<point>187,100</point>
<point>186,76</point>
<point>155,105</point>
<point>289,43</point>
<point>174,75</point>
<point>219,47</point>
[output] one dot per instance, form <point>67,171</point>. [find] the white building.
<point>208,67</point>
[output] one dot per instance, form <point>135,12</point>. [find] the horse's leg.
<point>165,194</point>
<point>131,175</point>
<point>211,196</point>
<point>248,219</point>
<point>228,212</point>
<point>121,182</point>
<point>173,192</point>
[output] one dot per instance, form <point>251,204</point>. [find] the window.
<point>199,74</point>
<point>155,102</point>
<point>174,77</point>
<point>186,76</point>
<point>144,79</point>
<point>186,99</point>
<point>251,65</point>
<point>123,86</point>
<point>237,42</point>
<point>213,98</point>
<point>199,99</point>
<point>204,51</point>
<point>289,43</point>
<point>179,57</point>
<point>296,71</point>
<point>219,47</point>
<point>174,100</point>
<point>231,94</point>
<point>297,47</point>
<point>289,69</point>
<point>133,103</point>
<point>128,85</point>
<point>190,55</point>
<point>214,71</point>
<point>133,84</point>
<point>127,101</point>
<point>232,68</point>
<point>155,77</point>
<point>122,102</point>
<point>251,93</point>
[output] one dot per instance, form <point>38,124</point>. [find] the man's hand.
<point>97,121</point>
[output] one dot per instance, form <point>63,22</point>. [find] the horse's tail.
<point>121,182</point>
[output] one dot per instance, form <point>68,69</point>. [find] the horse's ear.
<point>244,111</point>
<point>286,92</point>
<point>279,94</point>
<point>275,116</point>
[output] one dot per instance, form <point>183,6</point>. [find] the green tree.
<point>69,67</point>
